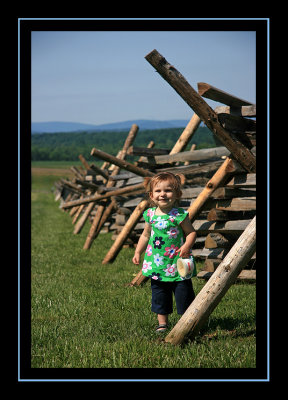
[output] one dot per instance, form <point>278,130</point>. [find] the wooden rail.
<point>202,109</point>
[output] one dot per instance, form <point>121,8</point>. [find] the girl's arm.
<point>191,235</point>
<point>142,243</point>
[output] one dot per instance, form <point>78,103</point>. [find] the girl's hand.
<point>136,259</point>
<point>184,252</point>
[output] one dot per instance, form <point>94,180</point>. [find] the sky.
<point>99,77</point>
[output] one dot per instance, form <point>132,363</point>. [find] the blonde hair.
<point>175,180</point>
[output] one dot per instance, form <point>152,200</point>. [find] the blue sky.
<point>99,77</point>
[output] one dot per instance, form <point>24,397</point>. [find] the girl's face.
<point>163,195</point>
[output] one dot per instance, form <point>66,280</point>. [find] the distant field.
<point>54,168</point>
<point>55,164</point>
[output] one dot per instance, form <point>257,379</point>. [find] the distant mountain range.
<point>144,124</point>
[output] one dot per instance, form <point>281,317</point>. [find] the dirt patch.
<point>51,171</point>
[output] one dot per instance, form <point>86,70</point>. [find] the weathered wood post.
<point>129,226</point>
<point>97,197</point>
<point>186,135</point>
<point>211,294</point>
<point>202,109</point>
<point>81,222</point>
<point>100,211</point>
<point>121,163</point>
<point>225,170</point>
<point>193,147</point>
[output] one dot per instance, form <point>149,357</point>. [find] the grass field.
<point>83,315</point>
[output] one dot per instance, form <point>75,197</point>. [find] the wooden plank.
<point>145,151</point>
<point>210,92</point>
<point>190,193</point>
<point>123,176</point>
<point>217,179</point>
<point>243,180</point>
<point>99,171</point>
<point>120,163</point>
<point>229,215</point>
<point>203,227</point>
<point>231,192</point>
<point>217,253</point>
<point>75,188</point>
<point>236,123</point>
<point>244,111</point>
<point>195,155</point>
<point>214,240</point>
<point>210,265</point>
<point>244,129</point>
<point>110,193</point>
<point>151,144</point>
<point>234,204</point>
<point>205,169</point>
<point>245,274</point>
<point>202,109</point>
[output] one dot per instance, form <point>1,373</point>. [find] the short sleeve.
<point>182,214</point>
<point>145,215</point>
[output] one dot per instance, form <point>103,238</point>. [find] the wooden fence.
<point>220,183</point>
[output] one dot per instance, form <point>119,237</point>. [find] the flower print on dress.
<point>146,266</point>
<point>155,276</point>
<point>170,270</point>
<point>158,242</point>
<point>174,212</point>
<point>149,250</point>
<point>150,212</point>
<point>173,233</point>
<point>160,223</point>
<point>171,251</point>
<point>158,260</point>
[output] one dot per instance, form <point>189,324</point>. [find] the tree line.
<point>66,146</point>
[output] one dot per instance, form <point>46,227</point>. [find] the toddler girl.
<point>169,235</point>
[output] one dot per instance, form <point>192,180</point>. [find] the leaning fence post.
<point>211,294</point>
<point>202,109</point>
<point>224,171</point>
<point>186,135</point>
<point>100,215</point>
<point>130,224</point>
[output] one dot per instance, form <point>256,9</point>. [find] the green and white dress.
<point>167,236</point>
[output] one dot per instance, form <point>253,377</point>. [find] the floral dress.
<point>167,236</point>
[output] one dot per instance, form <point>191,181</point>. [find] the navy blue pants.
<point>162,296</point>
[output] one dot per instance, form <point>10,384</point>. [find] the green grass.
<point>83,315</point>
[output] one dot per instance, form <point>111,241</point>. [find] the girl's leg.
<point>184,295</point>
<point>161,301</point>
<point>162,320</point>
